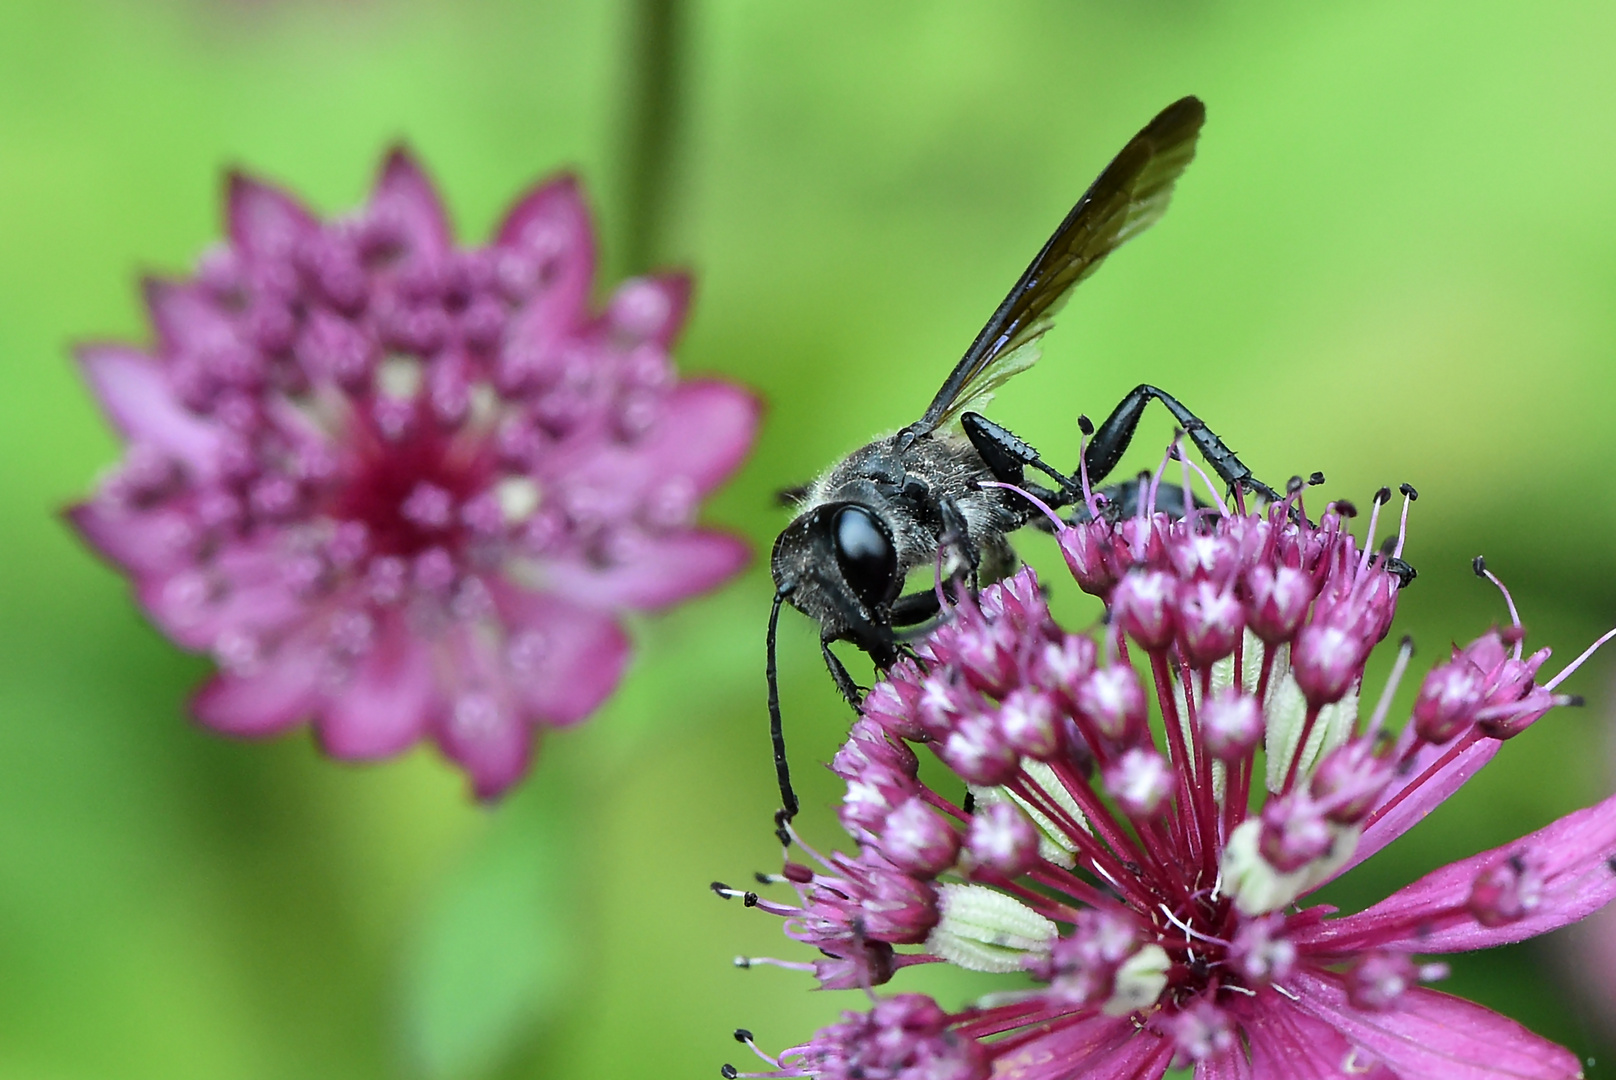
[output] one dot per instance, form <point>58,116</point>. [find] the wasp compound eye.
<point>864,553</point>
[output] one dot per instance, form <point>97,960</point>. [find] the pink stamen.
<point>1369,534</point>
<point>1405,652</point>
<point>1578,662</point>
<point>1030,497</point>
<point>1509,601</point>
<point>1402,524</point>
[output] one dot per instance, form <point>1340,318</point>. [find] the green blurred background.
<point>1394,260</point>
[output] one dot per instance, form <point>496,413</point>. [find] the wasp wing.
<point>1127,198</point>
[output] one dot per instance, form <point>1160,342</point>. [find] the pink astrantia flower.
<point>1148,864</point>
<point>407,490</point>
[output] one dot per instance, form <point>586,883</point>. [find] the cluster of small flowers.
<point>407,489</point>
<point>1145,870</point>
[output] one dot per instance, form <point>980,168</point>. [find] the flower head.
<point>1141,815</point>
<point>406,489</point>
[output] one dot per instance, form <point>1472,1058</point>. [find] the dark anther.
<point>1293,485</point>
<point>1479,565</point>
<point>750,899</point>
<point>797,872</point>
<point>1388,545</point>
<point>1085,425</point>
<point>1315,479</point>
<point>728,1072</point>
<point>1407,643</point>
<point>721,889</point>
<point>1172,452</point>
<point>1575,701</point>
<point>761,878</point>
<point>743,962</point>
<point>1346,508</point>
<point>1512,634</point>
<point>969,805</point>
<point>1408,490</point>
<point>742,1035</point>
<point>1610,863</point>
<point>1383,496</point>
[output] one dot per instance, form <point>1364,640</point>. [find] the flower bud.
<point>1027,721</point>
<point>1209,623</point>
<point>1231,724</point>
<point>1144,604</point>
<point>894,701</point>
<point>1089,554</point>
<point>977,751</point>
<point>1326,660</point>
<point>1113,700</point>
<point>1349,780</point>
<point>1294,833</point>
<point>1061,665</point>
<point>917,839</point>
<point>1448,701</point>
<point>1141,782</point>
<point>1002,839</point>
<point>1276,601</point>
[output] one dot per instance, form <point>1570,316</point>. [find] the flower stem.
<point>652,105</point>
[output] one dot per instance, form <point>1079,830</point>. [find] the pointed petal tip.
<point>260,218</point>
<point>400,165</point>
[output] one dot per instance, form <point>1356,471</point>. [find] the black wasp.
<point>915,497</point>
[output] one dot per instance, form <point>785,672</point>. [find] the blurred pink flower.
<point>1149,874</point>
<point>406,490</point>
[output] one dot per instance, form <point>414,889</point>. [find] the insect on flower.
<point>916,496</point>
<point>408,490</point>
<point>1136,817</point>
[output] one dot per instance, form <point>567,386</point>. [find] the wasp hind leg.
<point>1112,438</point>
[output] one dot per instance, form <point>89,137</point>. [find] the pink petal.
<point>562,659</point>
<point>1098,1046</point>
<point>138,398</point>
<point>702,432</point>
<point>1575,856</point>
<point>405,197</point>
<point>243,590</point>
<point>267,702</point>
<point>154,542</point>
<point>1427,797</point>
<point>549,234</point>
<point>705,431</point>
<point>490,742</point>
<point>389,702</point>
<point>1229,1065</point>
<point>1289,1044</point>
<point>186,318</point>
<point>264,221</point>
<point>654,572</point>
<point>1429,1034</point>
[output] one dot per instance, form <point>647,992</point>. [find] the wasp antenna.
<point>782,771</point>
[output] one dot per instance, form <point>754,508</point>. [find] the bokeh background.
<point>1394,260</point>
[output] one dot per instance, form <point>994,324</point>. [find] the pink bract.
<point>407,490</point>
<point>1148,863</point>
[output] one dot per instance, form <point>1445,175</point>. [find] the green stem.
<point>652,107</point>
